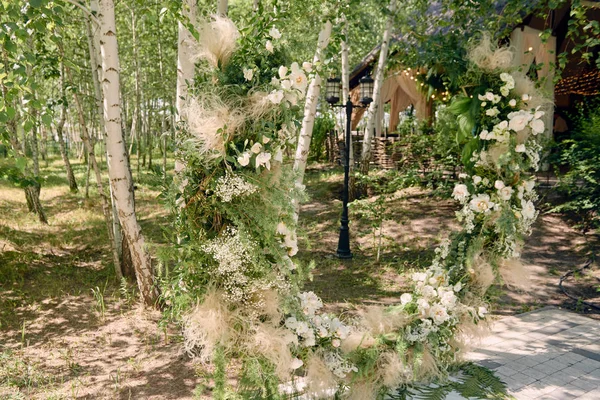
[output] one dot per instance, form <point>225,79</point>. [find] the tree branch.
<point>87,12</point>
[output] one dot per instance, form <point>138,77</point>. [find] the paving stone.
<point>584,384</point>
<point>535,373</point>
<point>506,371</point>
<point>587,366</point>
<point>586,354</point>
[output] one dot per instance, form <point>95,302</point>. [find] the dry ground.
<point>68,331</point>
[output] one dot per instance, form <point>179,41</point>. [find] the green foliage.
<point>471,381</point>
<point>324,124</point>
<point>579,156</point>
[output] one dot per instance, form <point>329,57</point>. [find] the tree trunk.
<point>119,171</point>
<point>373,108</point>
<point>92,160</point>
<point>222,8</point>
<point>59,132</point>
<point>310,108</point>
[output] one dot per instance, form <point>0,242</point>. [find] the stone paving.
<point>548,354</point>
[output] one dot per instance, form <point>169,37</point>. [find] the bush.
<point>579,156</point>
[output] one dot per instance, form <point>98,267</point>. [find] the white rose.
<point>504,91</point>
<point>419,276</point>
<point>405,298</point>
<point>525,97</point>
<point>480,97</point>
<point>462,175</point>
<point>518,120</point>
<point>460,192</point>
<point>275,96</point>
<point>248,74</point>
<point>489,96</point>
<point>299,80</point>
<point>244,159</point>
<point>274,33</point>
<point>528,209</point>
<point>520,148</point>
<point>439,314</point>
<point>282,228</point>
<point>537,126</point>
<point>502,125</point>
<point>256,147</point>
<point>484,135</point>
<point>483,103</point>
<point>476,180</point>
<point>282,72</point>
<point>496,99</point>
<point>492,112</point>
<point>505,77</point>
<point>269,46</point>
<point>512,103</point>
<point>505,193</point>
<point>336,342</point>
<point>307,66</point>
<point>457,288</point>
<point>499,185</point>
<point>481,203</point>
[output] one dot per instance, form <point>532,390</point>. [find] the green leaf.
<point>10,112</point>
<point>47,119</point>
<point>35,3</point>
<point>21,163</point>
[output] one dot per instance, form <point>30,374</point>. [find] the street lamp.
<point>332,96</point>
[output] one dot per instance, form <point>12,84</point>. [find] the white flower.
<point>528,209</point>
<point>263,159</point>
<point>275,96</point>
<point>518,120</point>
<point>529,185</point>
<point>336,342</point>
<point>274,81</point>
<point>480,97</point>
<point>481,312</point>
<point>537,126</point>
<point>278,156</point>
<point>310,303</point>
<point>457,288</point>
<point>504,91</point>
<point>448,299</point>
<point>505,193</point>
<point>489,96</point>
<point>501,126</point>
<point>286,84</point>
<point>496,99</point>
<point>439,314</point>
<point>244,159</point>
<point>307,66</point>
<point>428,291</point>
<point>282,72</point>
<point>248,74</point>
<point>460,192</point>
<point>538,114</point>
<point>282,229</point>
<point>419,276</point>
<point>423,306</point>
<point>298,78</point>
<point>492,112</point>
<point>483,103</point>
<point>505,77</point>
<point>291,323</point>
<point>499,185</point>
<point>481,203</point>
<point>256,148</point>
<point>476,180</point>
<point>266,139</point>
<point>405,298</point>
<point>274,33</point>
<point>512,103</point>
<point>520,148</point>
<point>296,363</point>
<point>302,328</point>
<point>269,46</point>
<point>525,97</point>
<point>462,175</point>
<point>484,135</point>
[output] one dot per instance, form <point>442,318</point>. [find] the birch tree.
<point>310,108</point>
<point>222,8</point>
<point>60,132</point>
<point>374,106</point>
<point>185,43</point>
<point>119,169</point>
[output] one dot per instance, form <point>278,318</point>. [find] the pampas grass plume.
<point>357,339</point>
<point>363,391</point>
<point>207,325</point>
<point>483,274</point>
<point>273,343</point>
<point>487,55</point>
<point>320,380</point>
<point>217,41</point>
<point>380,322</point>
<point>391,369</point>
<point>513,274</point>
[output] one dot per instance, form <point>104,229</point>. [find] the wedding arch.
<point>237,285</point>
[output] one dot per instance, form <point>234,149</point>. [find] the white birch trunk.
<point>310,109</point>
<point>222,8</point>
<point>119,170</point>
<point>374,106</point>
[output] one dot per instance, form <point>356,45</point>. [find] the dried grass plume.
<point>218,39</point>
<point>319,379</point>
<point>487,55</point>
<point>514,274</point>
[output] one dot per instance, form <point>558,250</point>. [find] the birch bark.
<point>374,106</point>
<point>310,108</point>
<point>119,170</point>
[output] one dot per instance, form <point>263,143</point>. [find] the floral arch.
<point>237,286</point>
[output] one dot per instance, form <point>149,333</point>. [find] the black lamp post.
<point>333,97</point>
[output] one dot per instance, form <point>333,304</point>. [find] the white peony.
<point>275,96</point>
<point>512,103</point>
<point>298,78</point>
<point>520,148</point>
<point>269,46</point>
<point>405,298</point>
<point>499,185</point>
<point>263,159</point>
<point>274,33</point>
<point>492,112</point>
<point>489,96</point>
<point>481,203</point>
<point>460,192</point>
<point>439,314</point>
<point>248,74</point>
<point>307,66</point>
<point>518,120</point>
<point>244,159</point>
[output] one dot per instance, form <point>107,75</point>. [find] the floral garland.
<point>236,226</point>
